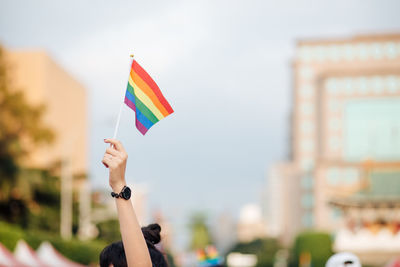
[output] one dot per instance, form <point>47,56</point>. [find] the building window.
<point>363,85</point>
<point>362,51</point>
<point>348,86</point>
<point>372,129</point>
<point>333,176</point>
<point>319,53</point>
<point>307,201</point>
<point>334,124</point>
<point>306,91</point>
<point>390,50</point>
<point>350,176</point>
<point>307,182</point>
<point>334,143</point>
<point>307,164</point>
<point>305,53</point>
<point>336,213</point>
<point>331,85</point>
<point>377,84</point>
<point>307,145</point>
<point>376,50</point>
<point>306,72</point>
<point>307,219</point>
<point>334,106</point>
<point>392,84</point>
<point>333,52</point>
<point>307,109</point>
<point>347,176</point>
<point>348,52</point>
<point>307,127</point>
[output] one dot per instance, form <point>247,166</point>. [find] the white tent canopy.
<point>51,257</point>
<point>7,259</point>
<point>25,254</point>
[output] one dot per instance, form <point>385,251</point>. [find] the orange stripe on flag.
<point>150,93</point>
<point>147,79</point>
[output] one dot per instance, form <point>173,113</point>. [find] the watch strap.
<point>116,195</point>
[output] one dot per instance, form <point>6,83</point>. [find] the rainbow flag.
<point>145,98</point>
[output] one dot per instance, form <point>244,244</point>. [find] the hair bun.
<point>152,233</point>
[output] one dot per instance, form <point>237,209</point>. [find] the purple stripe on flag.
<point>141,127</point>
<point>130,104</point>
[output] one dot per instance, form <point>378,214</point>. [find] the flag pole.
<point>120,108</point>
<point>118,119</point>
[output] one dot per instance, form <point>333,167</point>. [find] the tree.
<point>199,231</point>
<point>21,130</point>
<point>312,248</point>
<point>265,250</point>
<point>109,230</point>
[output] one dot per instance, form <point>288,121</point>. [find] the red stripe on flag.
<point>147,79</point>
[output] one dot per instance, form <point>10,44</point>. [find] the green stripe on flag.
<point>142,107</point>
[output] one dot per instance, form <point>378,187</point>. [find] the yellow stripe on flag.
<point>145,100</point>
<point>149,92</point>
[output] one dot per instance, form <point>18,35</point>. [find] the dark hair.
<point>115,254</point>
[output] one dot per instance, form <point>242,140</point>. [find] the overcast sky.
<point>224,66</point>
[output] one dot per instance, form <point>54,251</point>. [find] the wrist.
<point>117,187</point>
<point>124,194</point>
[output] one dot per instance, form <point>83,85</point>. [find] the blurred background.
<point>283,149</point>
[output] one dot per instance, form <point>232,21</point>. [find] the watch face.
<point>126,194</point>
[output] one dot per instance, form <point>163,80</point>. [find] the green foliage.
<point>265,250</point>
<point>199,231</point>
<point>30,198</point>
<point>22,130</point>
<point>109,231</point>
<point>35,203</point>
<point>18,119</point>
<point>83,252</point>
<point>317,244</point>
<point>9,235</point>
<point>48,219</point>
<point>170,259</point>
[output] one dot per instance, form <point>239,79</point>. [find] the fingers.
<point>107,159</point>
<point>115,154</point>
<point>116,143</point>
<point>110,150</point>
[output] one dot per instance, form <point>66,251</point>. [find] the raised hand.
<point>115,159</point>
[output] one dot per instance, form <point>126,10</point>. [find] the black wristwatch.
<point>125,193</point>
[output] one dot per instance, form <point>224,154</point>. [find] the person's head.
<point>114,254</point>
<point>343,259</point>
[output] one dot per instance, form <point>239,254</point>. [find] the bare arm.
<point>137,254</point>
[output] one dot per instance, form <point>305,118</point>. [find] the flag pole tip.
<point>131,55</point>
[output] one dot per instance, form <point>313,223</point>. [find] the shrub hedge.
<point>318,245</point>
<point>84,252</point>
